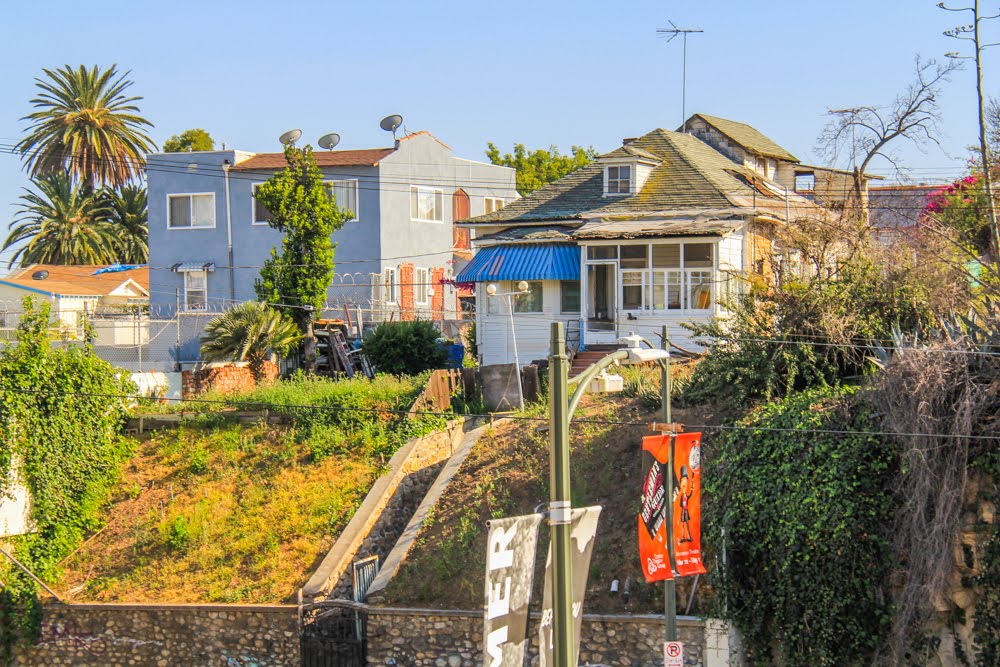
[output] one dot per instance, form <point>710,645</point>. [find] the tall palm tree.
<point>250,331</point>
<point>128,216</point>
<point>85,122</point>
<point>63,222</point>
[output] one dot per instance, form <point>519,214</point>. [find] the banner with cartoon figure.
<point>687,505</point>
<point>652,526</point>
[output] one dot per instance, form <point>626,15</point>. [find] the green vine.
<point>986,622</point>
<point>59,421</point>
<point>804,520</point>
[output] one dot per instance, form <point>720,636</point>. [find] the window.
<point>697,255</point>
<point>191,211</point>
<point>261,216</point>
<point>699,290</point>
<point>805,181</point>
<point>602,252</point>
<point>426,204</point>
<point>422,286</point>
<point>530,302</point>
<point>389,285</point>
<point>493,204</point>
<point>633,290</point>
<point>345,195</point>
<point>196,290</point>
<point>569,296</point>
<point>667,290</point>
<point>619,180</point>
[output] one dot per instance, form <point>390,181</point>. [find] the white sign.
<point>673,654</point>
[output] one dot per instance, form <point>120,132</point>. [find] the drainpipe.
<point>229,234</point>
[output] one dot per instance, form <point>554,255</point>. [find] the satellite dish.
<point>290,137</point>
<point>391,123</point>
<point>328,141</point>
<point>40,275</point>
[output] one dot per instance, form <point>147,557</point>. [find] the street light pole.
<point>560,512</point>
<point>669,586</point>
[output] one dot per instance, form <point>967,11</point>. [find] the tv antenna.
<point>673,31</point>
<point>328,141</point>
<point>290,137</point>
<point>391,123</point>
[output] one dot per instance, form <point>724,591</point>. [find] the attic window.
<point>619,180</point>
<point>805,180</point>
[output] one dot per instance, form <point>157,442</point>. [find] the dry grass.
<point>218,512</point>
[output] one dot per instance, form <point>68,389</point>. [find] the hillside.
<point>218,511</point>
<point>506,474</point>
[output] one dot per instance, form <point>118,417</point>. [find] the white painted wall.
<point>15,505</point>
<point>532,329</point>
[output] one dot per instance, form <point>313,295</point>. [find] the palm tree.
<point>84,122</point>
<point>128,215</point>
<point>63,223</point>
<point>250,331</point>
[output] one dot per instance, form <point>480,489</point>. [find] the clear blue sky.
<point>539,72</point>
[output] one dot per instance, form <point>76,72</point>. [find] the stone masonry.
<point>116,635</point>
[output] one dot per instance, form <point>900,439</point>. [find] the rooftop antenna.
<point>290,137</point>
<point>328,141</point>
<point>391,123</point>
<point>673,31</point>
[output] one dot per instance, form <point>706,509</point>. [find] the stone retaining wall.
<point>444,638</point>
<point>225,378</point>
<point>161,635</point>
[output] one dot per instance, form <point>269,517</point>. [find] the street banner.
<point>510,568</point>
<point>687,505</point>
<point>653,552</point>
<point>583,528</point>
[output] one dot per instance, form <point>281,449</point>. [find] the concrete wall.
<point>435,638</point>
<point>162,635</point>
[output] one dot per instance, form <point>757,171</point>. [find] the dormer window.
<point>619,180</point>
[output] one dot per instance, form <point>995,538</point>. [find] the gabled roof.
<point>367,157</point>
<point>690,176</point>
<point>747,136</point>
<point>899,206</point>
<point>79,280</point>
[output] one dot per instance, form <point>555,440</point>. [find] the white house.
<point>661,231</point>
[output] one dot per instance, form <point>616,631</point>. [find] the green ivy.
<point>803,518</point>
<point>986,620</point>
<point>61,416</point>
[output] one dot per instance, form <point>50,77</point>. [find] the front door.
<point>602,302</point>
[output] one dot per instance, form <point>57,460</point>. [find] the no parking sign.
<point>673,654</point>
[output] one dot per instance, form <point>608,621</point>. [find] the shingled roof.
<point>747,136</point>
<point>367,157</point>
<point>690,176</point>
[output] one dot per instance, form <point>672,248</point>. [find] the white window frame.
<point>608,180</point>
<point>422,291</point>
<point>357,196</point>
<point>253,206</point>
<point>188,290</point>
<point>390,289</point>
<point>492,204</point>
<point>189,195</point>
<point>436,193</point>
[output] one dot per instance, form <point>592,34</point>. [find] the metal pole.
<point>138,335</point>
<point>177,314</point>
<point>517,362</point>
<point>560,511</point>
<point>669,586</point>
<point>983,144</point>
<point>684,78</point>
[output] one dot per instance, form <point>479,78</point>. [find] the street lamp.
<point>522,288</point>
<point>561,409</point>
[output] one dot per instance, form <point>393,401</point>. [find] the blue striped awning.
<point>522,262</point>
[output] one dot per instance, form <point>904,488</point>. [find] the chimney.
<point>627,140</point>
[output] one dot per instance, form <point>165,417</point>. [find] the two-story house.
<point>661,231</point>
<point>208,236</point>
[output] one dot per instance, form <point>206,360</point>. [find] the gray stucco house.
<point>395,260</point>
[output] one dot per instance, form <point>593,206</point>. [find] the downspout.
<point>229,234</point>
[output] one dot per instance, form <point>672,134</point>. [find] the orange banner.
<point>653,551</point>
<point>687,505</point>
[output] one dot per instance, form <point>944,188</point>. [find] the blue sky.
<point>535,72</point>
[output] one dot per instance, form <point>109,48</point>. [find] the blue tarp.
<point>523,262</point>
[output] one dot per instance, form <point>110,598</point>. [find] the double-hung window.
<point>569,296</point>
<point>191,211</point>
<point>426,204</point>
<point>421,286</point>
<point>195,290</point>
<point>619,180</point>
<point>634,260</point>
<point>698,267</point>
<point>345,196</point>
<point>530,302</point>
<point>389,286</point>
<point>261,216</point>
<point>492,204</point>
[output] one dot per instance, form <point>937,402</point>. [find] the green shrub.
<point>802,504</point>
<point>178,535</point>
<point>405,347</point>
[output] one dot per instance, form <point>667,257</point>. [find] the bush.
<point>405,347</point>
<point>804,518</point>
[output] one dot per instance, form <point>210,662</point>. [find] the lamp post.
<point>561,409</point>
<point>522,288</point>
